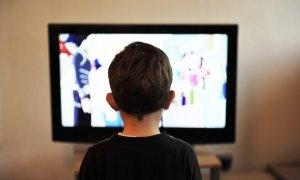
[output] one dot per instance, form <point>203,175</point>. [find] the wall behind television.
<point>268,76</point>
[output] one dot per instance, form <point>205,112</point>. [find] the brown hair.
<point>140,77</point>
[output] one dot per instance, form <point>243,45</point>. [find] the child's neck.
<point>149,126</point>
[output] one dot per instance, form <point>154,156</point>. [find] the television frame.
<point>95,134</point>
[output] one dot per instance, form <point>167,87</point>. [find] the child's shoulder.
<point>179,143</point>
<point>102,145</point>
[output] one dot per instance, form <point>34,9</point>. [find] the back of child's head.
<point>140,77</point>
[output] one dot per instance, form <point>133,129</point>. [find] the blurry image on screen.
<point>199,63</point>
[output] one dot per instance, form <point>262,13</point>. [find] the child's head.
<point>140,77</point>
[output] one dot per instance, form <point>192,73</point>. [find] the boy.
<point>140,77</point>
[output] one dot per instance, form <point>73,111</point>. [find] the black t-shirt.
<point>158,157</point>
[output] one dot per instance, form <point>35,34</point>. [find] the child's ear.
<point>169,100</point>
<point>111,101</point>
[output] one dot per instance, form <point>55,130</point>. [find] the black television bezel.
<point>191,135</point>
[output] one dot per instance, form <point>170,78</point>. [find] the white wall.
<point>268,102</point>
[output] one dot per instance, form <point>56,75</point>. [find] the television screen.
<point>203,59</point>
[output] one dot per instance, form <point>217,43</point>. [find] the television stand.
<point>212,162</point>
<point>206,160</point>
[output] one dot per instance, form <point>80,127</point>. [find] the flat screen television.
<point>204,62</point>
